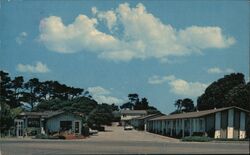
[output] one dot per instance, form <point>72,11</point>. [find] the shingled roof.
<point>195,114</point>
<point>148,116</point>
<point>45,114</point>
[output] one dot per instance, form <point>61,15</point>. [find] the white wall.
<point>53,124</point>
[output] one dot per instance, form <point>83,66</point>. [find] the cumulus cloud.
<point>160,79</point>
<point>109,17</point>
<point>102,95</point>
<point>217,70</point>
<point>179,86</point>
<point>140,35</point>
<point>98,90</point>
<point>21,37</point>
<point>39,67</point>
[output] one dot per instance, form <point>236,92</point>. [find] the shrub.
<point>41,136</point>
<point>198,134</point>
<point>61,137</point>
<point>196,139</point>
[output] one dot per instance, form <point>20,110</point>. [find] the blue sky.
<point>162,50</point>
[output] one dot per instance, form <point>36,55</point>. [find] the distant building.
<point>32,123</point>
<point>224,123</point>
<point>128,115</point>
<point>140,123</point>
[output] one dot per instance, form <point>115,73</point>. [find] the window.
<point>124,115</point>
<point>65,125</point>
<point>34,122</point>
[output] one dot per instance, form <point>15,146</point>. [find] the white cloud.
<point>107,99</point>
<point>217,70</point>
<point>140,35</point>
<point>39,67</point>
<point>75,37</point>
<point>98,90</point>
<point>102,95</point>
<point>159,80</point>
<point>21,37</point>
<point>109,17</point>
<point>229,70</point>
<point>185,88</point>
<point>180,86</point>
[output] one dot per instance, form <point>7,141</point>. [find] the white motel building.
<point>221,123</point>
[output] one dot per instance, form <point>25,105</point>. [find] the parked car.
<point>98,127</point>
<point>92,132</point>
<point>128,127</point>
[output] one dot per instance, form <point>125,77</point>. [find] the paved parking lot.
<point>114,133</point>
<point>118,141</point>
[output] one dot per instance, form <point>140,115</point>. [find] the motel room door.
<point>77,127</point>
<point>19,124</point>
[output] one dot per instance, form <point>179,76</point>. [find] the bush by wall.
<point>196,139</point>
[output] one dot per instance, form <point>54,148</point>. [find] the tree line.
<point>17,95</point>
<point>136,103</point>
<point>230,90</point>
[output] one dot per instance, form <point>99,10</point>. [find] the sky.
<point>161,50</point>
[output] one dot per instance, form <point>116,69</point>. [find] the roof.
<point>195,114</point>
<point>49,114</point>
<point>45,114</point>
<point>133,112</point>
<point>148,116</point>
<point>32,114</point>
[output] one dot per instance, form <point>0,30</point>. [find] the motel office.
<point>223,123</point>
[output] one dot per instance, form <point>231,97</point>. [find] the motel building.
<point>128,115</point>
<point>221,123</point>
<point>47,122</point>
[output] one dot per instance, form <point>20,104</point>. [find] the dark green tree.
<point>142,105</point>
<point>215,93</point>
<point>178,105</point>
<point>114,107</point>
<point>101,115</point>
<point>153,110</point>
<point>31,94</point>
<point>188,105</point>
<point>6,93</point>
<point>127,105</point>
<point>239,96</point>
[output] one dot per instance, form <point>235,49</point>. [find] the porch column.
<point>217,125</point>
<point>242,125</point>
<point>162,127</point>
<point>176,126</point>
<point>159,122</point>
<point>190,127</point>
<point>183,127</point>
<point>153,122</point>
<point>167,126</point>
<point>171,128</point>
<point>194,125</point>
<point>230,127</point>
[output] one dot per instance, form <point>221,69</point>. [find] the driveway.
<point>114,133</point>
